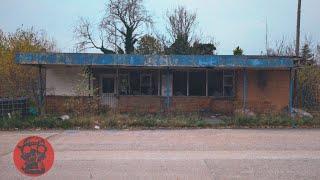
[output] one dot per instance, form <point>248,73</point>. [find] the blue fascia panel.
<point>220,61</point>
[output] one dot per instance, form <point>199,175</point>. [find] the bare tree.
<point>123,20</point>
<point>282,48</point>
<point>85,35</point>
<point>181,23</point>
<point>317,56</point>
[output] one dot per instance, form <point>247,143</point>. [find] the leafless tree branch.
<point>181,23</point>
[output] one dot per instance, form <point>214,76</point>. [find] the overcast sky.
<point>230,22</point>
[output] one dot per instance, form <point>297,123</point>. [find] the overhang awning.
<point>219,61</point>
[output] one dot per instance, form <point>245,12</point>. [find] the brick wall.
<point>140,103</point>
<point>182,104</point>
<point>190,103</point>
<point>267,91</point>
<point>58,104</point>
<point>271,95</point>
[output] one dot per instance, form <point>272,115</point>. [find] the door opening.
<point>108,90</point>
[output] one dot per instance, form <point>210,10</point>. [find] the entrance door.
<point>108,90</point>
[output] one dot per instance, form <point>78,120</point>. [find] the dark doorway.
<point>197,83</point>
<point>180,83</point>
<point>108,85</point>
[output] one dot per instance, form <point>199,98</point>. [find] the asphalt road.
<point>174,154</point>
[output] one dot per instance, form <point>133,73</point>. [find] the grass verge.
<point>151,121</point>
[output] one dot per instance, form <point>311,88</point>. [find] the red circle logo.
<point>33,156</point>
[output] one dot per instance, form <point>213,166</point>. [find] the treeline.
<point>121,31</point>
<point>16,80</point>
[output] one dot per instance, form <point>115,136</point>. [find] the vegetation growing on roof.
<point>237,51</point>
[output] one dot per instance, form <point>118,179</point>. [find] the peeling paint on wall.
<point>222,61</point>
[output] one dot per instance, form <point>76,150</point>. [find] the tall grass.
<point>158,120</point>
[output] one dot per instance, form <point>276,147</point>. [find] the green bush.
<point>49,122</point>
<point>201,124</point>
<point>261,121</point>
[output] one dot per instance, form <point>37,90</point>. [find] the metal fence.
<point>17,106</point>
<point>308,89</point>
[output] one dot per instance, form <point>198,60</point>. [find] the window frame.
<point>187,82</point>
<point>158,74</point>
<point>232,85</point>
<point>128,81</point>
<point>152,73</point>
<point>206,84</point>
<point>101,83</point>
<point>149,75</point>
<point>224,75</point>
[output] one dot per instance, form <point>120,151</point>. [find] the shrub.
<point>279,120</point>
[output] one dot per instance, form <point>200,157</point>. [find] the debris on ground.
<point>245,112</point>
<point>213,119</point>
<point>64,117</point>
<point>301,113</point>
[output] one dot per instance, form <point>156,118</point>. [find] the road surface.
<point>174,154</point>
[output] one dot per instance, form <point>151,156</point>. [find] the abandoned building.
<point>219,83</point>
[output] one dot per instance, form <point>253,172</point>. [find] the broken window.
<point>108,85</point>
<point>146,84</point>
<point>135,83</point>
<point>180,83</point>
<point>197,83</point>
<point>138,82</point>
<point>228,77</point>
<point>149,82</point>
<point>220,83</point>
<point>215,83</point>
<point>124,84</point>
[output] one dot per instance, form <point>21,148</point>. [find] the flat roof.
<point>220,61</point>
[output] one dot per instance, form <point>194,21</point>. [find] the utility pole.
<point>298,28</point>
<point>294,78</point>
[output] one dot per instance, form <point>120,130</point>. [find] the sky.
<point>231,22</point>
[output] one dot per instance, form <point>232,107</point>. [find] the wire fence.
<point>9,107</point>
<point>308,89</point>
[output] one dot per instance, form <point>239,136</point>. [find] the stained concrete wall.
<point>66,81</point>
